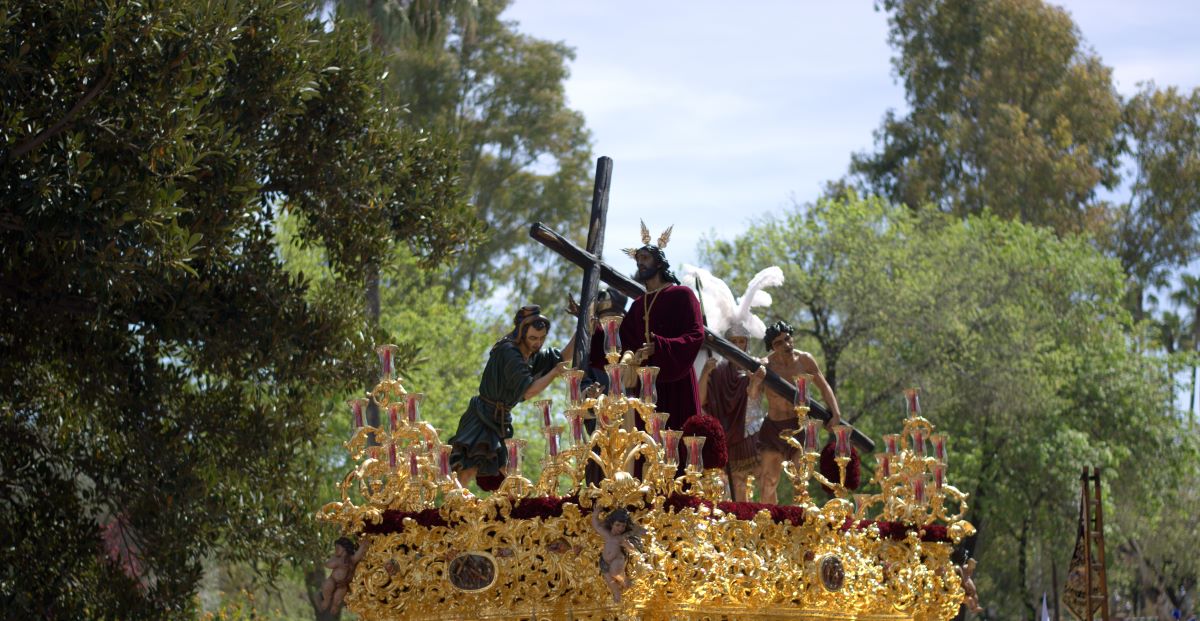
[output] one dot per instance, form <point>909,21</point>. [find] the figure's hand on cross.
<point>572,307</point>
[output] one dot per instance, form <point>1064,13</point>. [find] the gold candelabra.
<point>475,559</point>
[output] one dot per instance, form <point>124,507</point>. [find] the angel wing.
<point>755,296</point>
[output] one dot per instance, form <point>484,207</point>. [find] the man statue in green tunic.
<point>517,369</point>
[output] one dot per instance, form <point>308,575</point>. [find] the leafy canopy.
<point>159,367</point>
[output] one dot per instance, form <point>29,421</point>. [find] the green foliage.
<point>158,364</point>
<point>526,156</point>
<point>1157,230</point>
<point>1009,112</point>
<point>1020,343</point>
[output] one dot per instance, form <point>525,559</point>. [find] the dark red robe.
<point>727,401</point>
<point>678,332</point>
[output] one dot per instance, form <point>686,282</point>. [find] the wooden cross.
<point>596,270</point>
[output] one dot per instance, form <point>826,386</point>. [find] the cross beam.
<point>631,288</point>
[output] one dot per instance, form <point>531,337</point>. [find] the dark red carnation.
<point>829,468</point>
<point>489,482</point>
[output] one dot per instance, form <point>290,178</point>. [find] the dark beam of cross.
<point>631,288</point>
<point>591,272</point>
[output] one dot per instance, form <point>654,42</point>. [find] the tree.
<point>1019,342</point>
<point>1157,229</point>
<point>159,367</point>
<point>526,156</point>
<point>1009,112</point>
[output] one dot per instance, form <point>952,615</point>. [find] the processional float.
<point>529,551</point>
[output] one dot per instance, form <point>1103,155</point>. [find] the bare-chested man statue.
<point>787,362</point>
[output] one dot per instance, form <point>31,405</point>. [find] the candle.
<point>387,361</point>
<point>612,336</point>
<point>393,411</point>
<point>695,449</point>
<point>658,422</point>
<point>575,419</point>
<point>412,403</point>
<point>891,443</point>
<point>918,442</point>
<point>912,402</point>
<point>392,455</point>
<point>885,465</point>
<point>842,433</point>
<point>939,447</point>
<point>939,477</point>
<point>649,377</point>
<point>615,383</point>
<point>544,407</point>
<point>552,439</point>
<point>801,399</point>
<point>918,488</point>
<point>671,446</point>
<point>812,435</point>
<point>413,468</point>
<point>443,453</point>
<point>514,447</point>
<point>358,409</point>
<point>575,387</point>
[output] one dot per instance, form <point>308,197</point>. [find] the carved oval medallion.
<point>472,572</point>
<point>833,576</point>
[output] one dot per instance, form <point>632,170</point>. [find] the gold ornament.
<point>695,561</point>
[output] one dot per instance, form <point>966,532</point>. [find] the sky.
<point>715,117</point>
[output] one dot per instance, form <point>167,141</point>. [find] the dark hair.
<point>776,329</point>
<point>664,267</point>
<point>528,316</point>
<point>620,515</point>
<point>346,543</point>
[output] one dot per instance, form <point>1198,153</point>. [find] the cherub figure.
<point>970,596</point>
<point>622,536</point>
<point>341,565</point>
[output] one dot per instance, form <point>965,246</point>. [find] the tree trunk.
<point>1023,567</point>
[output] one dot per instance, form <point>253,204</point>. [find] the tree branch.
<point>29,145</point>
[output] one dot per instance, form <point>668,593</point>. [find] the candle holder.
<point>387,361</point>
<point>695,452</point>
<point>611,325</point>
<point>543,406</point>
<point>574,379</point>
<point>358,412</point>
<point>671,447</point>
<point>800,400</point>
<point>912,402</point>
<point>649,391</point>
<point>412,407</point>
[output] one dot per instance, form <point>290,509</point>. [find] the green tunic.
<point>479,441</point>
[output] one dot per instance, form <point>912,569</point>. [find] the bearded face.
<point>647,266</point>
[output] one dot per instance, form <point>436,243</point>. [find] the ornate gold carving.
<point>695,561</point>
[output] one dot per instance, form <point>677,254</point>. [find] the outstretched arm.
<point>362,549</point>
<point>543,382</point>
<point>809,365</point>
<point>596,522</point>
